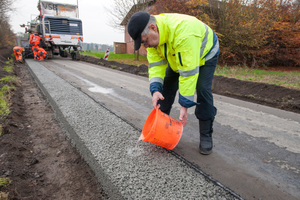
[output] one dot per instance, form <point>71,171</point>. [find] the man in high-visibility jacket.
<point>182,53</point>
<point>18,51</point>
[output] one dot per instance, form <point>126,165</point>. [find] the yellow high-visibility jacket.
<point>184,44</point>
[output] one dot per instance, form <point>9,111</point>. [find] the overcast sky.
<point>93,13</point>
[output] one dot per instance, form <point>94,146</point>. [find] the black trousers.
<point>206,109</point>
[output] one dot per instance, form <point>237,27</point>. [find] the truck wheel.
<point>75,55</point>
<point>50,55</point>
<point>63,53</point>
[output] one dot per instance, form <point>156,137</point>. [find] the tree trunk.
<point>137,53</point>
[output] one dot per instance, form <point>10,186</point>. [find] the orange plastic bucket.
<point>162,130</point>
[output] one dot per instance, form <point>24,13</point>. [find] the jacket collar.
<point>163,31</point>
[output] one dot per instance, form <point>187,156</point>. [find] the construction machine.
<point>60,28</point>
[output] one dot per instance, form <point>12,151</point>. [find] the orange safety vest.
<point>35,38</point>
<point>18,53</point>
<point>30,38</point>
<point>42,50</point>
<point>42,53</point>
<point>18,49</point>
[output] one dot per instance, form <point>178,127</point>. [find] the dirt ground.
<point>36,155</point>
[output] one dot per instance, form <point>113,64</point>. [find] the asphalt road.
<point>256,151</point>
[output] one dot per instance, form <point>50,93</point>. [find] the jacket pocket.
<point>179,58</point>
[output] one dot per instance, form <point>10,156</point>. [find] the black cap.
<point>136,25</point>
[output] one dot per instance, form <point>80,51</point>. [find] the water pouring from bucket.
<point>162,130</point>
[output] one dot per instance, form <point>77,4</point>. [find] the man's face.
<point>152,38</point>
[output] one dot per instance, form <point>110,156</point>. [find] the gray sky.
<point>93,13</point>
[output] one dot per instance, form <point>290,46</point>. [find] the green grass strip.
<point>113,56</point>
<point>4,182</point>
<point>286,79</point>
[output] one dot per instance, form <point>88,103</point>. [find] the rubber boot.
<point>206,142</point>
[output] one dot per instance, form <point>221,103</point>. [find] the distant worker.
<point>42,54</point>
<point>34,38</point>
<point>18,53</point>
<point>35,50</point>
<point>35,41</point>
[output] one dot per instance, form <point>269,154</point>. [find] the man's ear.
<point>153,27</point>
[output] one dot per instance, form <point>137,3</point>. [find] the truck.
<point>60,28</point>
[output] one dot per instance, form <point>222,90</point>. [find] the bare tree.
<point>123,9</point>
<point>5,7</point>
<point>6,34</point>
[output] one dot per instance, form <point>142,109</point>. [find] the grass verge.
<point>129,59</point>
<point>285,79</point>
<point>4,182</point>
<point>7,86</point>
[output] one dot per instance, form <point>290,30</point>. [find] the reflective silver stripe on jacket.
<point>162,62</point>
<point>213,52</point>
<point>156,79</point>
<point>191,98</point>
<point>189,73</point>
<point>204,41</point>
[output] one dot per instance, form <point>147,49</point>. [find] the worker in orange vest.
<point>42,54</point>
<point>34,38</point>
<point>35,41</point>
<point>18,53</point>
<point>35,50</point>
